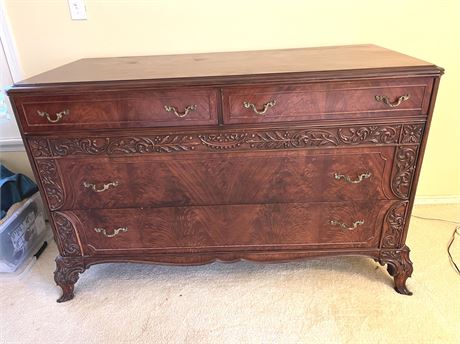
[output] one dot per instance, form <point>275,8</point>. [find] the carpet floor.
<point>330,300</point>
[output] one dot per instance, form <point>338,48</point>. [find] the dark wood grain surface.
<point>276,177</point>
<point>230,227</point>
<point>350,57</point>
<point>329,100</point>
<point>329,167</point>
<point>143,108</point>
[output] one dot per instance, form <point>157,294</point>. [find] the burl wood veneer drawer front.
<point>331,100</point>
<point>227,178</point>
<point>143,108</point>
<point>229,227</point>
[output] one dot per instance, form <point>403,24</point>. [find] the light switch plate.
<point>77,9</point>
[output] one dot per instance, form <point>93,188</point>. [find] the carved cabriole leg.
<point>66,275</point>
<point>399,266</point>
<point>70,262</point>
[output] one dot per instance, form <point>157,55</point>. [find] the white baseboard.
<point>437,200</point>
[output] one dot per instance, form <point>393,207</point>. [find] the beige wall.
<point>46,38</point>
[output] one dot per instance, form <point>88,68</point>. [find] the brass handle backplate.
<point>345,226</point>
<point>183,114</point>
<point>360,178</point>
<point>103,188</point>
<point>394,104</point>
<point>268,105</point>
<point>58,115</point>
<point>115,231</point>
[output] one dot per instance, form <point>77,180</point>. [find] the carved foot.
<point>399,266</point>
<point>66,275</point>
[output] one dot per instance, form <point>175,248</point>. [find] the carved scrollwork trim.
<point>403,170</point>
<point>123,145</point>
<point>296,139</point>
<point>412,133</point>
<point>39,147</point>
<point>67,236</point>
<point>399,259</point>
<point>78,146</point>
<point>223,141</point>
<point>228,140</point>
<point>395,220</point>
<point>68,269</point>
<point>155,144</point>
<point>369,134</point>
<point>51,181</point>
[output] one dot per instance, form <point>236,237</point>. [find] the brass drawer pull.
<point>345,226</point>
<point>178,114</point>
<point>115,231</point>
<point>361,177</point>
<point>58,115</point>
<point>396,103</point>
<point>268,105</point>
<point>104,186</point>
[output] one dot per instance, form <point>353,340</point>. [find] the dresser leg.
<point>399,266</point>
<point>66,275</point>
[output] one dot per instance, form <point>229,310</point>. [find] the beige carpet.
<point>334,300</point>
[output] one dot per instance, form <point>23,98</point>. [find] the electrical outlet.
<point>77,9</point>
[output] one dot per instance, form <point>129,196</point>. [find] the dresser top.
<point>304,60</point>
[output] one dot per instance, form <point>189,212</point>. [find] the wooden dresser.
<point>259,155</point>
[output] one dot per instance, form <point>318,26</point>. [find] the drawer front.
<point>229,227</point>
<point>119,110</point>
<point>227,178</point>
<point>364,99</point>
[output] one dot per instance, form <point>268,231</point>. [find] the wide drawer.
<point>227,178</point>
<point>142,108</point>
<point>328,100</point>
<point>229,227</point>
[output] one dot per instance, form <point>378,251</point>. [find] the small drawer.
<point>229,227</point>
<point>328,100</point>
<point>143,108</point>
